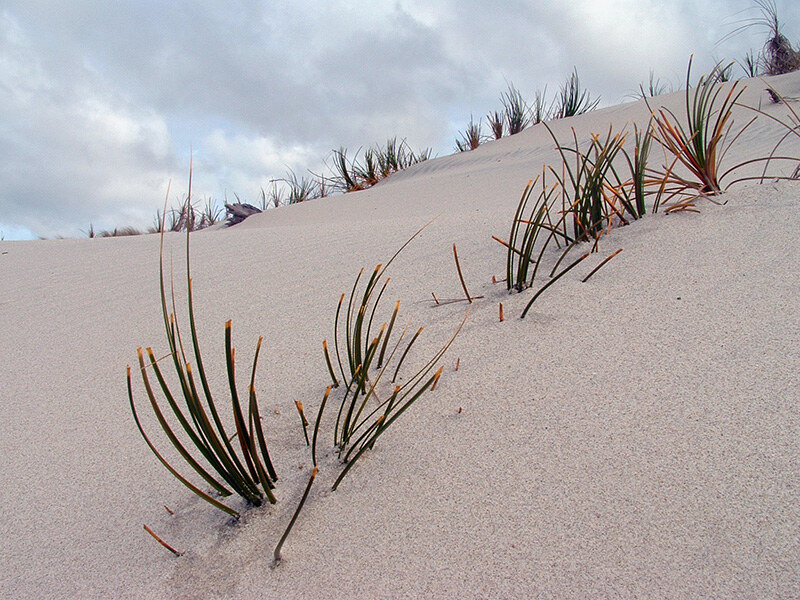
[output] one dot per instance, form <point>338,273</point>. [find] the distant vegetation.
<point>518,114</point>
<point>778,56</point>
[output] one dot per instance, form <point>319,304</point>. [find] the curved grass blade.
<point>328,363</point>
<point>405,353</point>
<point>169,467</point>
<point>316,425</point>
<point>277,553</point>
<point>551,282</point>
<point>598,267</point>
<point>461,276</point>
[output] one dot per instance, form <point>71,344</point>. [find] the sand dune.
<point>634,436</point>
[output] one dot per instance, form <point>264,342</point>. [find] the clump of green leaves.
<point>377,163</point>
<point>367,407</point>
<point>368,404</point>
<point>190,417</point>
<point>572,100</point>
<point>516,111</point>
<point>778,55</point>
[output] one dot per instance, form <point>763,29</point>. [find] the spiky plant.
<point>641,175</point>
<point>721,73</point>
<point>701,142</point>
<point>367,173</point>
<point>750,64</point>
<point>516,111</point>
<point>300,189</point>
<point>572,100</point>
<point>210,214</point>
<point>391,157</point>
<point>119,232</point>
<point>587,192</point>
<point>778,56</point>
<point>496,121</point>
<point>367,405</point>
<point>201,437</point>
<point>594,189</point>
<point>345,177</point>
<point>540,111</point>
<point>364,358</point>
<point>655,87</point>
<point>274,198</point>
<point>527,227</point>
<point>470,138</point>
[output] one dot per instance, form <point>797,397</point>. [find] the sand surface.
<point>636,436</point>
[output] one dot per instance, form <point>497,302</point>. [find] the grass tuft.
<point>496,122</point>
<point>516,111</point>
<point>471,138</point>
<point>367,407</point>
<point>204,439</point>
<point>572,100</point>
<point>701,142</point>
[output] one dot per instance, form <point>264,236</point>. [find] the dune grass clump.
<point>190,417</point>
<point>364,357</point>
<point>368,404</point>
<point>302,189</point>
<point>274,198</point>
<point>470,138</point>
<point>378,163</point>
<point>572,100</point>
<point>591,190</point>
<point>655,87</point>
<point>116,232</point>
<point>187,216</point>
<point>517,113</point>
<point>496,124</point>
<point>593,186</point>
<point>577,202</point>
<point>778,56</point>
<point>540,111</point>
<point>698,145</point>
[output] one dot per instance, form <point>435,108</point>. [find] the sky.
<point>102,103</point>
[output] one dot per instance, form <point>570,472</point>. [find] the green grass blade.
<point>316,425</point>
<point>405,353</point>
<point>551,282</point>
<point>277,553</point>
<point>169,467</point>
<point>328,363</point>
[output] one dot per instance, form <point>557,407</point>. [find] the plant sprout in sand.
<point>248,472</point>
<point>368,404</point>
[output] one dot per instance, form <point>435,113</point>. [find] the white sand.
<point>636,436</point>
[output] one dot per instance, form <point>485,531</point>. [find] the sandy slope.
<point>635,436</point>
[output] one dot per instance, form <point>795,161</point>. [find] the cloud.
<point>71,153</point>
